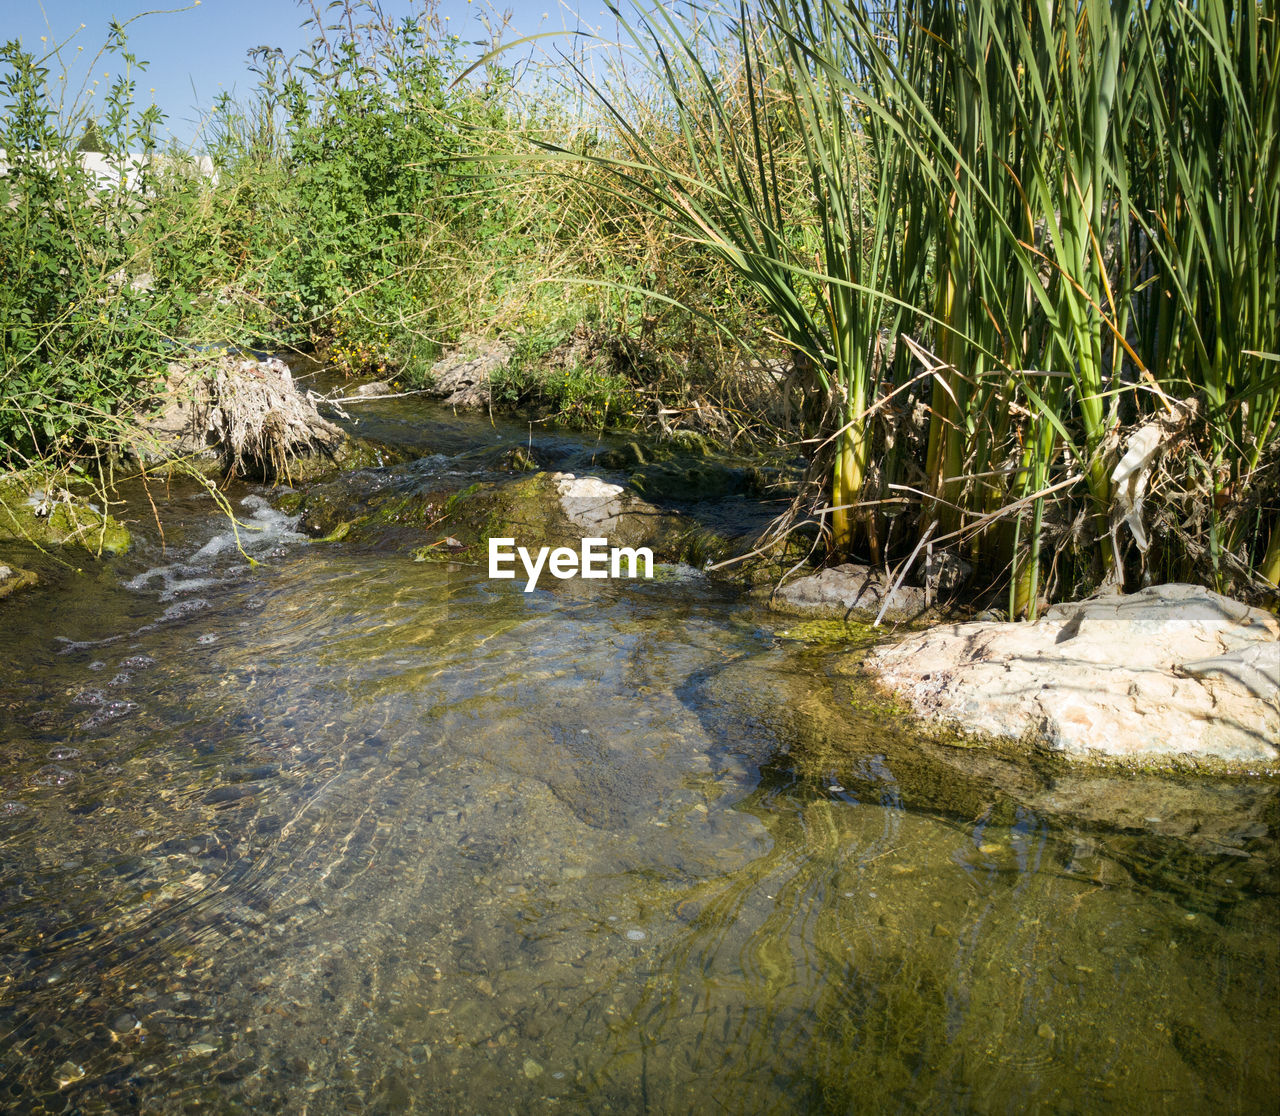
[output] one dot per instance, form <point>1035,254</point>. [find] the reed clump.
<point>1031,239</point>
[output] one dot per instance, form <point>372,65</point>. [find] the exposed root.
<point>261,419</point>
<point>249,411</point>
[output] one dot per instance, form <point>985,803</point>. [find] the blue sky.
<point>196,51</point>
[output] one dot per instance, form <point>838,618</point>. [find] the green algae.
<point>349,454</point>
<point>62,520</point>
<point>15,578</point>
<point>288,502</point>
<point>340,532</point>
<point>829,632</point>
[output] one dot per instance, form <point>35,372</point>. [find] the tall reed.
<point>1209,205</point>
<point>778,179</point>
<point>1073,205</point>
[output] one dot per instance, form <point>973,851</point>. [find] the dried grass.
<point>262,420</point>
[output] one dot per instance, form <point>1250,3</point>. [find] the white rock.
<point>1256,668</point>
<point>589,503</point>
<point>1172,671</point>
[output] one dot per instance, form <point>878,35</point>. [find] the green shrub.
<point>76,335</point>
<point>582,387</point>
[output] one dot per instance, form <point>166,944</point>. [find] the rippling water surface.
<point>347,833</point>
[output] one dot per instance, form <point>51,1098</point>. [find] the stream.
<point>341,832</point>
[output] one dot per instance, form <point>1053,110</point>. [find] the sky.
<point>196,51</point>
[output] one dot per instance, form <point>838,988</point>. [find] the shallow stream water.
<point>343,832</point>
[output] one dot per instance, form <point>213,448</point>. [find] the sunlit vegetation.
<point>1007,271</point>
<point>1029,233</point>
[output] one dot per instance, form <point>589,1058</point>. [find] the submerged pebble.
<point>51,775</point>
<point>184,608</point>
<point>232,793</point>
<point>123,1024</point>
<point>63,753</point>
<point>68,1074</point>
<point>109,712</point>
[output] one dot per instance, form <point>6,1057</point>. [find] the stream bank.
<point>1171,676</point>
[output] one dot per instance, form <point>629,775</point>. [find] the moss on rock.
<point>413,505</point>
<point>55,517</point>
<point>536,509</point>
<point>348,454</point>
<point>14,578</point>
<point>560,509</point>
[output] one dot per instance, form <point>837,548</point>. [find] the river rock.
<point>462,377</point>
<point>12,579</point>
<point>1256,668</point>
<point>46,515</point>
<point>595,506</point>
<point>849,592</point>
<point>394,507</point>
<point>564,508</point>
<point>375,389</point>
<point>178,424</point>
<point>1173,672</point>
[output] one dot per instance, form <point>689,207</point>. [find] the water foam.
<point>262,531</point>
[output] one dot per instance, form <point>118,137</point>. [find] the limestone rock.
<point>595,506</point>
<point>834,724</point>
<point>1256,668</point>
<point>564,508</point>
<point>848,592</point>
<point>1174,671</point>
<point>462,377</point>
<point>180,423</point>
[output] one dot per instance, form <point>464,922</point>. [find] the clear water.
<point>349,833</point>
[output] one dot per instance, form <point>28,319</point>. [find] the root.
<point>253,410</point>
<point>261,416</point>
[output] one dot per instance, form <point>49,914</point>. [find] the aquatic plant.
<point>1055,207</point>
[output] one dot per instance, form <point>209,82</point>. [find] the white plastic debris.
<point>1131,476</point>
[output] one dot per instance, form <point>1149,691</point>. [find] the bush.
<point>76,335</point>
